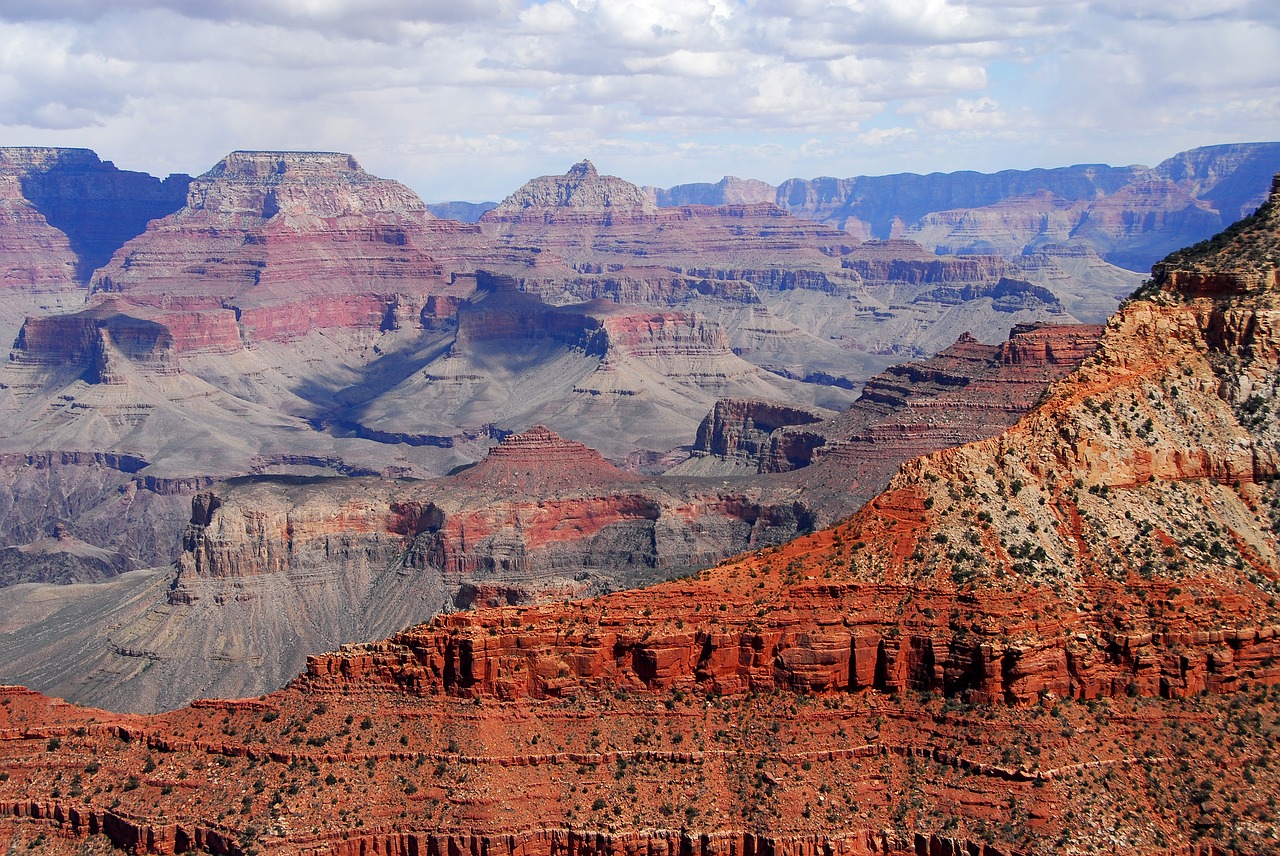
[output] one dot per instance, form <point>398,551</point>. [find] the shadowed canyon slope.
<point>1065,638</point>
<point>63,212</point>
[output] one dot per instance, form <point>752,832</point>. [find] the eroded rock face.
<point>63,212</point>
<point>580,195</point>
<point>966,392</point>
<point>540,517</point>
<point>60,558</point>
<point>234,318</point>
<point>277,567</point>
<point>281,243</point>
<point>740,430</point>
<point>807,645</point>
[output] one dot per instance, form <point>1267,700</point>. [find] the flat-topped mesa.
<point>908,262</point>
<point>540,462</point>
<point>44,157</point>
<point>580,194</point>
<point>320,184</point>
<point>1243,259</point>
<point>96,338</point>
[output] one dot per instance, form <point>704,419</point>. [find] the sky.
<point>467,99</point>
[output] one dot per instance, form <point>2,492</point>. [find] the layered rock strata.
<point>1130,216</point>
<point>540,517</point>
<point>280,243</point>
<point>63,212</point>
<point>537,510</point>
<point>276,567</point>
<point>753,257</point>
<point>214,341</point>
<point>625,378</point>
<point>580,194</point>
<point>631,771</point>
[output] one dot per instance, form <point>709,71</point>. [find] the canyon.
<point>285,316</point>
<point>288,326</point>
<point>1061,638</point>
<point>309,562</point>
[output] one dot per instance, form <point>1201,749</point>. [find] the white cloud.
<point>467,97</point>
<point>886,136</point>
<point>967,115</point>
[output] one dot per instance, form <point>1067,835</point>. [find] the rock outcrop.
<point>63,212</point>
<point>60,558</point>
<point>237,316</point>
<point>768,278</point>
<point>282,243</point>
<point>623,378</point>
<point>738,432</point>
<point>537,510</point>
<point>580,195</point>
<point>967,392</point>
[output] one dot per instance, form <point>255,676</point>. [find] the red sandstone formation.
<point>967,392</point>
<point>198,351</point>
<point>290,321</point>
<point>536,508</point>
<point>277,567</point>
<point>540,517</point>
